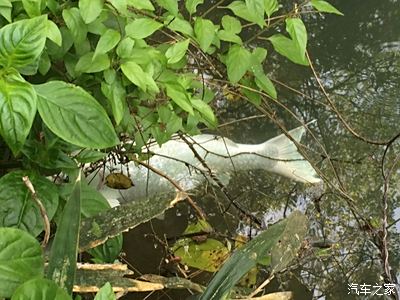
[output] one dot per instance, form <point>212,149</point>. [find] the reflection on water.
<point>358,60</point>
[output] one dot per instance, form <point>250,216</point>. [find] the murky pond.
<point>357,59</point>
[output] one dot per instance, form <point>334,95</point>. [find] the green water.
<point>358,60</point>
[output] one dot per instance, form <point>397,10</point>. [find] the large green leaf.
<point>136,75</point>
<point>179,25</point>
<point>238,61</point>
<point>17,108</point>
<point>22,42</point>
<point>191,5</point>
<point>90,9</point>
<point>107,41</point>
<point>21,259</point>
<point>40,289</point>
<point>17,208</point>
<point>54,33</point>
<point>74,115</point>
<point>205,32</point>
<point>170,5</point>
<point>324,6</point>
<point>62,260</point>
<point>247,257</point>
<point>177,51</point>
<point>180,96</point>
<point>34,7</point>
<point>141,28</point>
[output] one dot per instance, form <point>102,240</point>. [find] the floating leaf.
<point>74,115</point>
<point>247,257</point>
<point>21,259</point>
<point>40,288</point>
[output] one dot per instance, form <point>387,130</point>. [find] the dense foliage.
<point>78,79</point>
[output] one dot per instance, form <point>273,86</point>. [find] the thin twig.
<point>199,211</point>
<point>42,209</point>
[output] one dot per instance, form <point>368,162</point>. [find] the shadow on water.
<point>358,60</point>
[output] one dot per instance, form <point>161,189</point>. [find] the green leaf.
<point>17,207</point>
<point>231,24</point>
<point>54,33</point>
<point>44,63</point>
<point>237,62</point>
<point>271,6</point>
<point>141,28</point>
<point>90,9</point>
<point>75,24</point>
<point>88,63</point>
<point>264,83</point>
<point>229,37</point>
<point>205,111</point>
<point>107,41</point>
<point>125,47</point>
<point>177,51</point>
<point>17,108</point>
<point>256,10</point>
<point>247,257</point>
<point>106,292</point>
<point>324,6</point>
<point>21,259</point>
<point>5,10</point>
<point>40,288</point>
<point>115,93</point>
<point>297,31</point>
<point>240,9</point>
<point>137,76</point>
<point>180,96</point>
<point>288,48</point>
<point>207,256</point>
<point>191,5</point>
<point>179,25</point>
<point>170,5</point>
<point>64,250</point>
<point>74,115</point>
<point>205,31</point>
<point>141,4</point>
<point>34,7</point>
<point>88,156</point>
<point>22,42</point>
